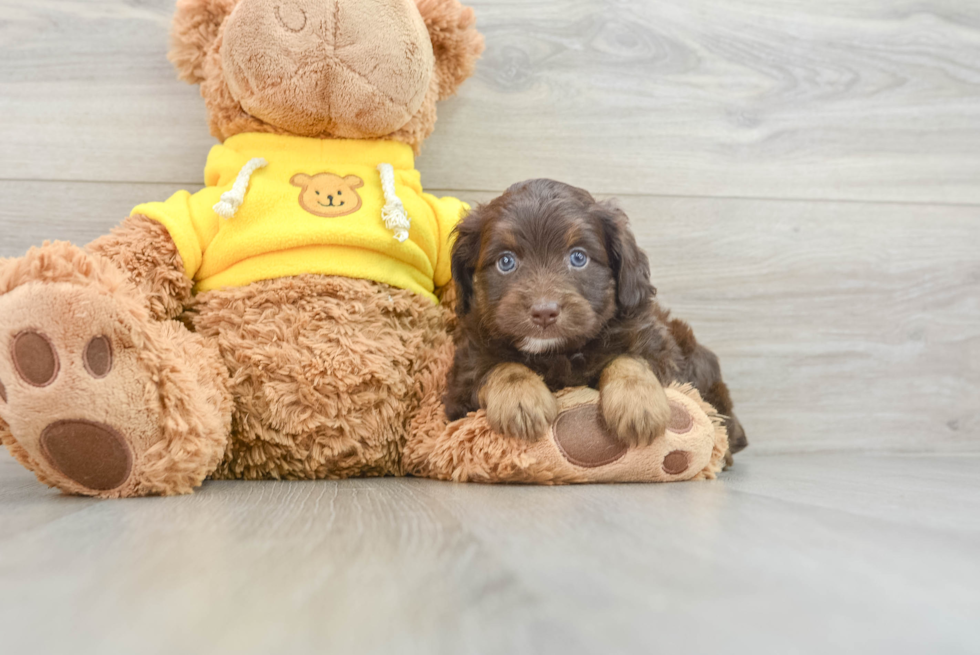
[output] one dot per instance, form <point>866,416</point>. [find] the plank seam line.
<point>600,194</point>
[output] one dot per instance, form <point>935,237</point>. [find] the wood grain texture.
<point>802,554</point>
<point>840,326</point>
<point>35,212</point>
<point>737,133</point>
<point>869,100</point>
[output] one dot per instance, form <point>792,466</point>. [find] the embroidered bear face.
<point>329,195</point>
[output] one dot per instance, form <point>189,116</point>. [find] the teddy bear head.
<point>325,68</point>
<point>326,194</point>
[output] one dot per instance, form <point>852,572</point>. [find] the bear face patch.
<point>328,195</point>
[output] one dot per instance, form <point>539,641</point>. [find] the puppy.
<point>552,292</point>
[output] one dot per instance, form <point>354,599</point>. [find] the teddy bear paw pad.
<point>583,438</point>
<point>34,358</point>
<point>676,462</point>
<point>681,420</point>
<point>92,454</point>
<point>73,391</point>
<point>581,448</point>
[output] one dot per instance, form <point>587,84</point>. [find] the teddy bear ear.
<point>195,28</point>
<point>300,179</point>
<point>354,182</point>
<point>455,42</point>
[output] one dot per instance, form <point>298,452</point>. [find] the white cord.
<point>393,212</point>
<point>232,199</point>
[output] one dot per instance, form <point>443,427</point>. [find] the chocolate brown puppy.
<point>553,292</point>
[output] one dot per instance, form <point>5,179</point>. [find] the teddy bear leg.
<point>96,397</point>
<point>577,448</point>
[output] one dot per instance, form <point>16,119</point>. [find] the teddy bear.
<point>293,319</point>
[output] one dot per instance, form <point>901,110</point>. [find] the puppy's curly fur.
<point>553,292</point>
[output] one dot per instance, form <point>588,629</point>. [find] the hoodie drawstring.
<point>232,199</point>
<point>393,212</point>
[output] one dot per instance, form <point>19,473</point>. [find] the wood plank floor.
<point>806,179</point>
<point>861,100</point>
<point>784,554</point>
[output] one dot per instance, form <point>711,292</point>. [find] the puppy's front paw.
<point>633,402</point>
<point>518,403</point>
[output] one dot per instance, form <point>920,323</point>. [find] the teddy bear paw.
<point>72,391</point>
<point>683,451</point>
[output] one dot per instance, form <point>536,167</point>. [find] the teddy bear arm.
<point>143,249</point>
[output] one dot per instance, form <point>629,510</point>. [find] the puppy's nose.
<point>545,313</point>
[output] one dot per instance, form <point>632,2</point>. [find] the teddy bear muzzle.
<point>353,68</point>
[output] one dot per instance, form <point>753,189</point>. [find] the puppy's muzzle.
<point>545,314</point>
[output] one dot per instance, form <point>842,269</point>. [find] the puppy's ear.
<point>466,255</point>
<point>195,28</point>
<point>628,263</point>
<point>455,42</point>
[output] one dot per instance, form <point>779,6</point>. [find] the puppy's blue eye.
<point>578,258</point>
<point>507,262</point>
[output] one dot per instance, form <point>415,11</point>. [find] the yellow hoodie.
<point>297,205</point>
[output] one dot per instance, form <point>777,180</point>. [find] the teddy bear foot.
<point>580,448</point>
<point>86,386</point>
<point>68,390</point>
<point>693,446</point>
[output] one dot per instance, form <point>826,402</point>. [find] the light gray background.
<point>806,179</point>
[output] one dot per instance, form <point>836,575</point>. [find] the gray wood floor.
<point>806,179</point>
<point>785,554</point>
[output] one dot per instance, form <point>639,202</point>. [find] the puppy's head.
<point>545,267</point>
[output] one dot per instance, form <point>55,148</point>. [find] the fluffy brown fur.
<point>564,323</point>
<point>143,249</point>
<point>326,372</point>
<point>518,402</point>
<point>198,35</point>
<point>194,29</point>
<point>633,402</point>
<point>169,394</point>
<point>455,42</point>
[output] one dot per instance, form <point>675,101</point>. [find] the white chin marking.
<point>535,346</point>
